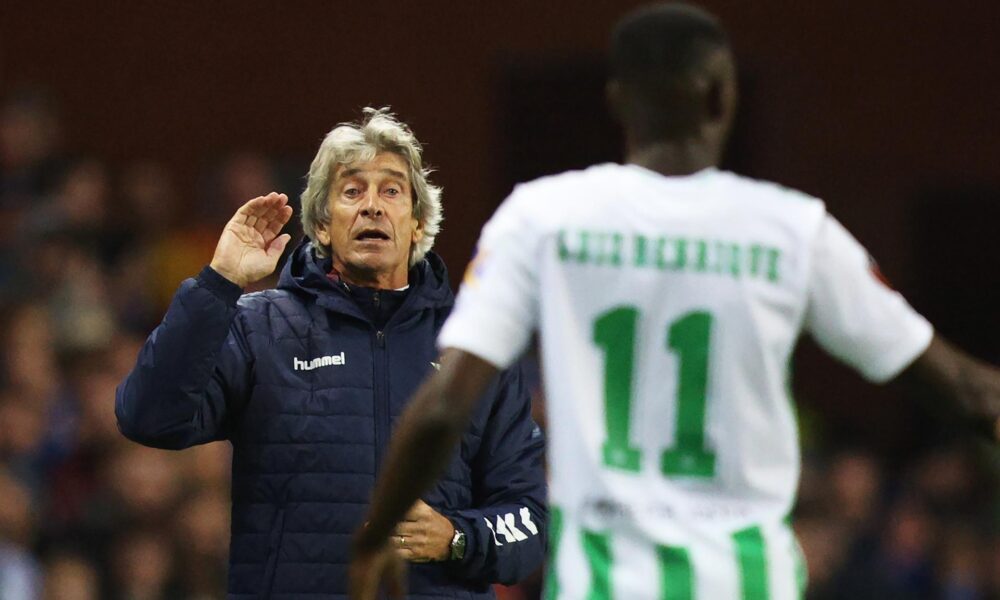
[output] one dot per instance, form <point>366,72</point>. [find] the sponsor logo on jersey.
<point>320,361</point>
<point>474,271</point>
<point>877,272</point>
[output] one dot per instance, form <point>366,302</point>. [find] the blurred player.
<point>669,296</point>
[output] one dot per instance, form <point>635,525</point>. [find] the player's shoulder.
<point>768,191</point>
<point>568,187</point>
<point>570,179</point>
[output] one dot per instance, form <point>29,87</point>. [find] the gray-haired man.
<point>306,380</point>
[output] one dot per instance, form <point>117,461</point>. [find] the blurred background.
<point>130,132</point>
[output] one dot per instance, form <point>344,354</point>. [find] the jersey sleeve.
<point>854,315</point>
<point>497,306</point>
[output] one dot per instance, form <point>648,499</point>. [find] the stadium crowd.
<point>91,252</point>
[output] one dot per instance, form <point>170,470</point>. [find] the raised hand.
<point>250,245</point>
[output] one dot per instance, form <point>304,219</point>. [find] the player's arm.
<point>856,317</point>
<point>429,430</point>
<point>972,385</point>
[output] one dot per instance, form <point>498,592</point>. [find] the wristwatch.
<point>458,545</point>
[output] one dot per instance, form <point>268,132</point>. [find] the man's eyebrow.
<point>390,172</point>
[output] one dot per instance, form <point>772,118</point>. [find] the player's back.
<point>669,308</point>
<point>669,311</point>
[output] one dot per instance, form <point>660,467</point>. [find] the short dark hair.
<point>664,41</point>
<point>656,53</point>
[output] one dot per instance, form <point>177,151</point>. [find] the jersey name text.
<point>670,253</point>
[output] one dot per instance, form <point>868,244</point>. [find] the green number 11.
<point>688,337</point>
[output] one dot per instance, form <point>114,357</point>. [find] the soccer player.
<point>669,296</point>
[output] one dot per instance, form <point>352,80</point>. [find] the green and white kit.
<point>668,309</point>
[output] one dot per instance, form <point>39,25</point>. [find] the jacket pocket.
<point>273,549</point>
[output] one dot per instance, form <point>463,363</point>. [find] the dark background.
<point>886,110</point>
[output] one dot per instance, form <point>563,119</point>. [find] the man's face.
<point>372,228</point>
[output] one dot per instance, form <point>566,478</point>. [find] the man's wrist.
<point>231,277</point>
<point>216,283</point>
<point>458,546</point>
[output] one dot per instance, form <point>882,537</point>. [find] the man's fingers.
<point>408,529</point>
<point>262,225</point>
<point>266,214</point>
<point>258,206</point>
<point>271,226</point>
<point>284,215</point>
<point>417,511</point>
<point>277,246</point>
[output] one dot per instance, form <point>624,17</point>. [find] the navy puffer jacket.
<point>306,389</point>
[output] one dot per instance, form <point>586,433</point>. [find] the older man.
<point>306,380</point>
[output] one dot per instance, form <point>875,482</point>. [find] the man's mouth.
<point>372,235</point>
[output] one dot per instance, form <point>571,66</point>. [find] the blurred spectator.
<point>145,486</point>
<point>70,577</point>
<point>80,306</point>
<point>855,480</point>
<point>19,573</point>
<point>142,567</point>
<point>908,550</point>
<point>30,135</point>
<point>203,525</point>
<point>241,175</point>
<point>960,571</point>
<point>22,429</point>
<point>141,278</point>
<point>29,361</point>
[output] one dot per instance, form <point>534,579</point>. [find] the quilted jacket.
<point>306,389</point>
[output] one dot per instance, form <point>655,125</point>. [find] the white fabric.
<point>761,261</point>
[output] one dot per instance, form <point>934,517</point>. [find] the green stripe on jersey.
<point>555,537</point>
<point>676,579</point>
<point>752,557</point>
<point>597,547</point>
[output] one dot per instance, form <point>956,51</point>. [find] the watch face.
<point>458,546</point>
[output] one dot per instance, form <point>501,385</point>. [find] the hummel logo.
<point>321,361</point>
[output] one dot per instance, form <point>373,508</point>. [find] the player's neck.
<point>674,158</point>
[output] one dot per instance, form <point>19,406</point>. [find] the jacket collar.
<point>305,273</point>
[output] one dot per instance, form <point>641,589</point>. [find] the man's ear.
<point>323,236</point>
<point>418,231</point>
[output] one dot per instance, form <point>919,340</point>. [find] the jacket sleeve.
<point>191,372</point>
<point>506,531</point>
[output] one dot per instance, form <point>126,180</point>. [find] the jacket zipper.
<point>381,408</point>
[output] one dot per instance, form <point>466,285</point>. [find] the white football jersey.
<point>668,309</point>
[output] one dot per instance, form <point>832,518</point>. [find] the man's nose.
<point>371,206</point>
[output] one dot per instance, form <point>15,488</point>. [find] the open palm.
<point>251,242</point>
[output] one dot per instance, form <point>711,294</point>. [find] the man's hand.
<point>250,246</point>
<point>369,570</point>
<point>424,536</point>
